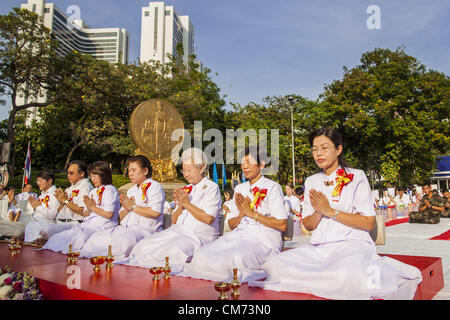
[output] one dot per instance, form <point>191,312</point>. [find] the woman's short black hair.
<point>335,137</point>
<point>229,191</point>
<point>143,163</point>
<point>102,169</point>
<point>299,191</point>
<point>46,175</point>
<point>82,166</point>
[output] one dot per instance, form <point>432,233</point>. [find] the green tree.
<point>393,113</point>
<point>29,67</point>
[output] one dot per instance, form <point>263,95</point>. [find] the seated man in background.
<point>71,205</point>
<point>430,208</point>
<point>446,213</point>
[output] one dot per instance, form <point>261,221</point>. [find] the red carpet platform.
<point>396,221</point>
<point>127,282</point>
<point>442,236</point>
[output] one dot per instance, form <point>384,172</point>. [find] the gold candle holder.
<point>156,271</point>
<point>12,247</point>
<point>97,261</point>
<point>235,284</point>
<point>109,259</point>
<point>222,287</point>
<point>74,257</point>
<point>69,255</point>
<point>167,269</point>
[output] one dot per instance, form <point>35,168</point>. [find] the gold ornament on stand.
<point>167,269</point>
<point>222,287</point>
<point>109,259</point>
<point>72,257</point>
<point>235,284</point>
<point>97,261</point>
<point>156,271</point>
<point>14,246</point>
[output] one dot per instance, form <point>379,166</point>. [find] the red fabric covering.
<point>442,236</point>
<point>396,221</point>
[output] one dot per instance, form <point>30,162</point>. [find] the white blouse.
<point>206,196</point>
<point>81,189</point>
<point>109,202</point>
<point>47,210</point>
<point>153,198</point>
<point>356,197</point>
<point>271,206</point>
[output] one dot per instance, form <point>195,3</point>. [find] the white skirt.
<point>50,229</point>
<point>236,249</point>
<point>175,243</point>
<point>340,270</point>
<point>77,236</point>
<point>33,229</point>
<point>122,240</point>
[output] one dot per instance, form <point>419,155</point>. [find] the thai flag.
<point>27,167</point>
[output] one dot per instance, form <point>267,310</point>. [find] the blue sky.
<point>261,47</point>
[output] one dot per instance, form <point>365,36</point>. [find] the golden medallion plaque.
<point>152,124</point>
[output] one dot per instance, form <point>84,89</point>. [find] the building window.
<point>47,10</point>
<point>146,14</point>
<point>167,12</point>
<point>34,8</point>
<point>155,34</point>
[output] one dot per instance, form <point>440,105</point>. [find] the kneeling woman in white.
<point>195,220</point>
<point>341,260</point>
<point>140,215</point>
<point>45,208</point>
<point>257,218</point>
<point>101,212</point>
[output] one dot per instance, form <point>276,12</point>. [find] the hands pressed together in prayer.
<point>320,203</point>
<point>34,202</point>
<point>90,203</point>
<point>181,197</point>
<point>243,205</point>
<point>127,204</point>
<point>60,195</point>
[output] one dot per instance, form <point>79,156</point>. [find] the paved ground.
<point>412,239</point>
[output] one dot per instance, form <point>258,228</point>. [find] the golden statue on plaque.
<point>152,124</point>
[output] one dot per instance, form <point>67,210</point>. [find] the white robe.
<point>77,235</point>
<point>82,188</point>
<point>132,228</point>
<point>294,204</point>
<point>246,247</point>
<point>181,240</point>
<point>42,215</point>
<point>340,262</point>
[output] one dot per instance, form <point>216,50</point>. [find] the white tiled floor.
<point>412,239</point>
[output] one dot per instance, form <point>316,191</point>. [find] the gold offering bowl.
<point>156,271</point>
<point>97,261</point>
<point>222,287</point>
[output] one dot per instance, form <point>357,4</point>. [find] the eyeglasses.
<point>70,173</point>
<point>325,149</point>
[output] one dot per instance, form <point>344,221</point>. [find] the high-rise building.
<point>109,44</point>
<point>162,29</point>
